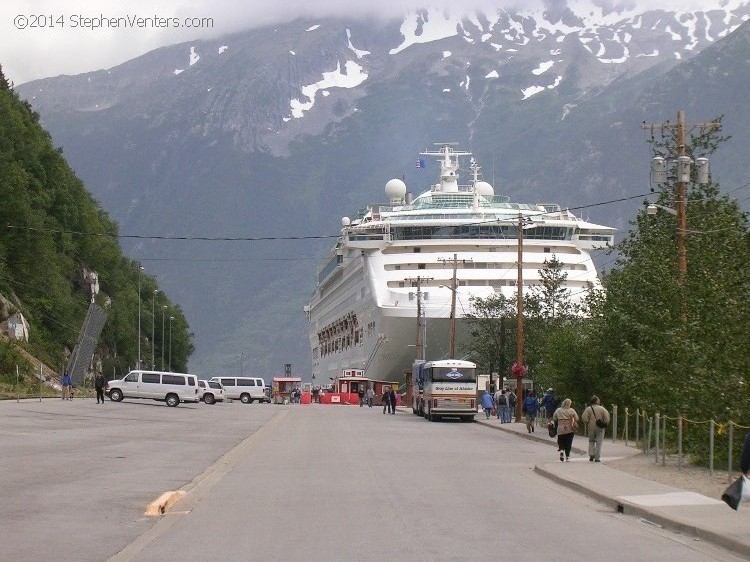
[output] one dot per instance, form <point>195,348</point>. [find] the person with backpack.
<point>502,407</point>
<point>596,420</point>
<point>530,408</point>
<point>511,396</point>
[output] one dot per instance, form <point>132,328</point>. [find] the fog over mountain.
<point>267,137</point>
<point>55,42</point>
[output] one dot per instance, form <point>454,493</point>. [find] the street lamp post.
<point>153,328</point>
<point>140,269</point>
<point>163,308</point>
<point>240,361</point>
<point>170,343</point>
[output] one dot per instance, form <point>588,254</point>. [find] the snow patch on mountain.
<point>543,67</point>
<point>223,48</point>
<point>194,57</point>
<point>533,90</point>
<point>351,78</point>
<point>426,26</point>
<point>313,27</point>
<point>359,53</point>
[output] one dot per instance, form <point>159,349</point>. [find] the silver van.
<point>245,389</point>
<point>172,388</point>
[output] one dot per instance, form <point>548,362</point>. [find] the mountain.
<point>268,137</point>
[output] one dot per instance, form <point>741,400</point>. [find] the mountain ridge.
<point>208,152</point>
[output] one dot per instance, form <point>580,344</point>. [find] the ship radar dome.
<point>484,189</point>
<point>345,221</point>
<point>395,189</point>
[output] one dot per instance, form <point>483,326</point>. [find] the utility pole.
<point>420,324</point>
<point>453,288</point>
<point>684,163</point>
<point>519,320</point>
<point>453,308</point>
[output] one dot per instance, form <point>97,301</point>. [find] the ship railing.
<point>370,232</point>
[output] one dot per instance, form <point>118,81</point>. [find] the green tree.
<point>492,339</point>
<point>50,229</point>
<point>682,349</point>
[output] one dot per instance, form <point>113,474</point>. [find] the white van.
<point>172,388</point>
<point>245,389</point>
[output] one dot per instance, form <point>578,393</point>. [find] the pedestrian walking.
<point>361,396</point>
<point>487,403</point>
<point>502,408</point>
<point>67,385</point>
<point>496,398</point>
<point>549,403</point>
<point>596,419</point>
<point>370,395</point>
<point>385,399</point>
<point>567,424</point>
<point>99,386</point>
<point>745,462</point>
<point>392,400</point>
<point>530,407</point>
<point>511,396</point>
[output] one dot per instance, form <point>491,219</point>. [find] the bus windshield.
<point>450,374</point>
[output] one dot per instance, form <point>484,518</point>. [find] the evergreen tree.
<point>683,349</point>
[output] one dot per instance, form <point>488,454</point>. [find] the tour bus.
<point>172,388</point>
<point>444,388</point>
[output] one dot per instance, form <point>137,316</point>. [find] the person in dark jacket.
<point>386,399</point>
<point>392,400</point>
<point>549,403</point>
<point>99,385</point>
<point>67,386</point>
<point>745,462</point>
<point>530,408</point>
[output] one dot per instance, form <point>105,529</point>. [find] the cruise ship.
<point>454,240</point>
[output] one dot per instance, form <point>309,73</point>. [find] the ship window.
<point>421,266</point>
<point>417,250</point>
<point>401,284</point>
<point>397,267</point>
<point>547,250</point>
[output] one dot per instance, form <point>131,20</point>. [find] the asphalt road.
<point>268,482</point>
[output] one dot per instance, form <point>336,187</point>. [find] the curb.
<point>626,508</point>
<point>531,436</point>
<point>161,504</point>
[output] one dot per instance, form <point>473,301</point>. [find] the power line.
<point>156,237</point>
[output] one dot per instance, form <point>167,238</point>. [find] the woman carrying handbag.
<point>567,424</point>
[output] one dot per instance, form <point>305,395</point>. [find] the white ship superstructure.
<point>363,314</point>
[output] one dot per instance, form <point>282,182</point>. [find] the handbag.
<point>601,424</point>
<point>733,494</point>
<point>552,429</point>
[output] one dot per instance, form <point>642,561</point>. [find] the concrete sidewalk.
<point>685,512</point>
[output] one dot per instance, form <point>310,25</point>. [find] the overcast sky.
<point>44,38</point>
